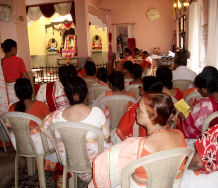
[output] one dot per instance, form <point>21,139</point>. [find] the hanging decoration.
<point>47,10</point>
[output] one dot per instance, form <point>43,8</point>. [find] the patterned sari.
<point>207,148</point>
<point>192,125</point>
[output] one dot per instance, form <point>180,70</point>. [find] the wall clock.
<point>153,14</point>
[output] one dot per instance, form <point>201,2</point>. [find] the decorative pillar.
<point>82,30</point>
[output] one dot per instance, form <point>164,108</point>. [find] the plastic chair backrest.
<point>208,120</point>
<point>73,136</point>
<point>134,88</point>
<point>135,130</point>
<point>174,99</point>
<point>182,84</point>
<point>90,81</point>
<point>98,90</point>
<point>195,95</point>
<point>19,122</point>
<point>117,105</point>
<point>161,167</point>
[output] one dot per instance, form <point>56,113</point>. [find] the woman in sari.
<point>156,113</point>
<point>11,68</point>
<point>207,84</point>
<point>127,57</point>
<point>23,90</point>
<point>125,127</point>
<point>76,91</point>
<point>203,169</point>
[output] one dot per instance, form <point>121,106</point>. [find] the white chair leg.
<point>41,171</point>
<point>73,180</point>
<point>30,165</point>
<point>16,170</point>
<point>3,140</point>
<point>65,177</point>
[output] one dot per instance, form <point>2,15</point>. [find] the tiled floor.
<point>7,173</point>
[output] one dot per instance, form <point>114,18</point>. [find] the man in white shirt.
<point>182,72</point>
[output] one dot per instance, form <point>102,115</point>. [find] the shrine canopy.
<point>48,10</point>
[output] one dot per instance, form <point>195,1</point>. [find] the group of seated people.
<point>68,100</point>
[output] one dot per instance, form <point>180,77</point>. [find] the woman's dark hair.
<point>181,61</point>
<point>184,53</point>
<point>136,50</point>
<point>64,72</point>
<point>117,80</point>
<point>164,75</point>
<point>145,53</point>
<point>136,71</point>
<point>127,50</point>
<point>23,90</point>
<point>160,108</point>
<point>128,65</point>
<point>102,74</point>
<point>90,68</point>
<point>8,44</point>
<point>207,79</point>
<point>72,70</point>
<point>76,90</point>
<point>152,85</point>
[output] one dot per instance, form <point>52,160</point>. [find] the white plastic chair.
<point>174,99</point>
<point>182,84</point>
<point>161,168</point>
<point>73,136</point>
<point>2,136</point>
<point>117,105</point>
<point>134,88</point>
<point>195,95</point>
<point>90,81</point>
<point>208,120</point>
<point>19,123</point>
<point>135,130</point>
<point>97,90</point>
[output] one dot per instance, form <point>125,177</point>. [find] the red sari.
<point>207,148</point>
<point>125,127</point>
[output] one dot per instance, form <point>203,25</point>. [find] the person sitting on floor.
<point>125,127</point>
<point>53,93</point>
<point>155,112</point>
<point>164,75</point>
<point>207,84</point>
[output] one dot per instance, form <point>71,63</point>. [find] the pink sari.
<point>192,125</point>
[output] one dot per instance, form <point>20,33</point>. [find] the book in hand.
<point>183,107</point>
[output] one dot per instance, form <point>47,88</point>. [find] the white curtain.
<point>212,46</point>
<point>34,13</point>
<point>194,36</point>
<point>63,8</point>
